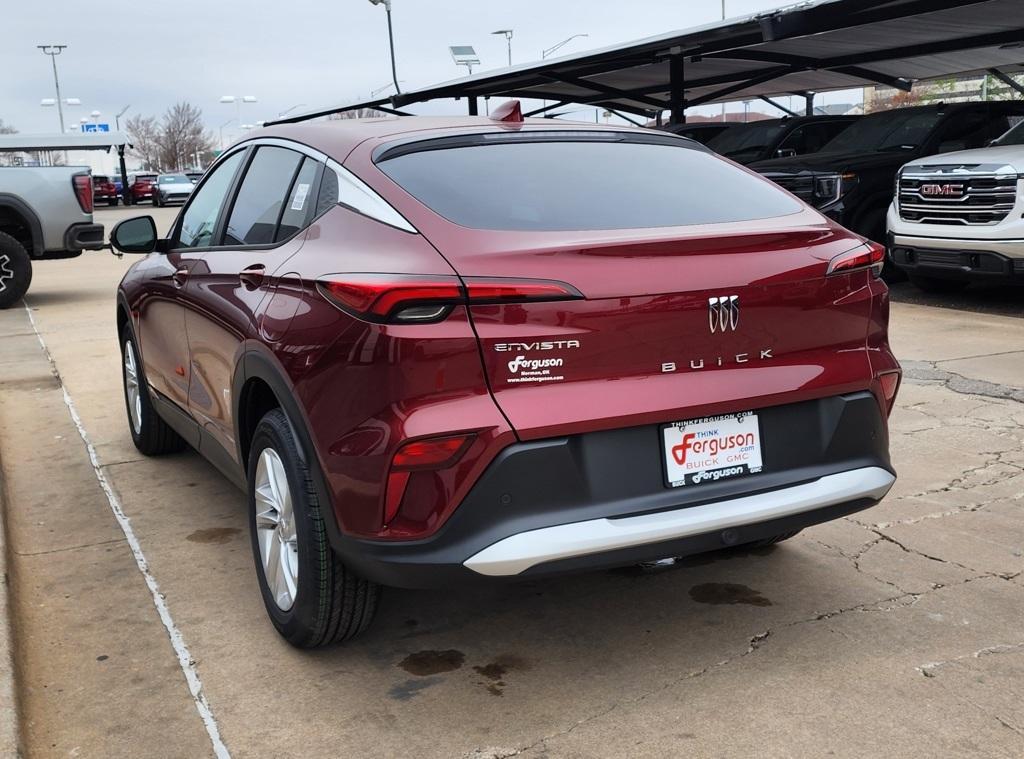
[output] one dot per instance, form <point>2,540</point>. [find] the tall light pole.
<point>391,42</point>
<point>507,34</point>
<point>53,51</point>
<point>238,100</point>
<point>545,53</point>
<point>117,117</point>
<point>221,130</point>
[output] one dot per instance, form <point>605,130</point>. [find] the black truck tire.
<point>15,270</point>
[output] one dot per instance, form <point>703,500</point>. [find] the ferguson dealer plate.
<point>711,449</point>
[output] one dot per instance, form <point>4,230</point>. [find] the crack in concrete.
<point>928,372</point>
<point>69,548</point>
<point>928,670</point>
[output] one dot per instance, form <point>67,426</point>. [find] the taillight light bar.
<point>870,255</point>
<point>890,383</point>
<point>82,185</point>
<point>406,299</point>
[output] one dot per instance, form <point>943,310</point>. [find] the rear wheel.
<point>15,270</point>
<point>312,598</point>
<point>156,200</point>
<point>151,434</point>
<point>937,284</point>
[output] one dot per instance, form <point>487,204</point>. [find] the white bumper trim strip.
<point>517,553</point>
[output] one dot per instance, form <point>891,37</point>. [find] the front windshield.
<point>1015,136</point>
<point>173,178</point>
<point>890,130</point>
<point>746,138</point>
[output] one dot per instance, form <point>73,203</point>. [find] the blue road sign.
<point>95,127</point>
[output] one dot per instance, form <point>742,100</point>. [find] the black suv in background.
<point>852,179</point>
<point>701,131</point>
<point>771,138</point>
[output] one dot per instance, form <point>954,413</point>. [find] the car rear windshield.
<point>580,184</point>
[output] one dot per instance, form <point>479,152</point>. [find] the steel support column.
<point>677,88</point>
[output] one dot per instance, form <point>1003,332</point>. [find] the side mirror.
<point>136,235</point>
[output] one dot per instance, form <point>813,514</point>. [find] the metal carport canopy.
<point>84,141</point>
<point>805,48</point>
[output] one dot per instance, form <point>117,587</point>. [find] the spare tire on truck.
<point>15,270</point>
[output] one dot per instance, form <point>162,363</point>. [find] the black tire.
<point>331,602</point>
<point>156,200</point>
<point>151,435</point>
<point>15,270</point>
<point>112,202</point>
<point>937,285</point>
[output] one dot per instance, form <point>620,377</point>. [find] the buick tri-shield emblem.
<point>724,313</point>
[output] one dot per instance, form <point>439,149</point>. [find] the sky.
<point>149,55</point>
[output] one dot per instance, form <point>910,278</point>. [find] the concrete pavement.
<point>897,632</point>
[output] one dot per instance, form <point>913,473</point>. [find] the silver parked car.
<point>172,188</point>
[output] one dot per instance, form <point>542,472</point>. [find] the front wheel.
<point>151,434</point>
<point>15,270</point>
<point>311,597</point>
<point>156,200</point>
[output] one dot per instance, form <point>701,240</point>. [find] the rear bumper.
<point>83,237</point>
<point>599,500</point>
<point>962,259</point>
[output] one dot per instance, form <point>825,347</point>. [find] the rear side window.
<point>261,197</point>
<point>300,201</point>
<point>583,185</point>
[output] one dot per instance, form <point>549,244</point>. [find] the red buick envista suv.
<point>432,349</point>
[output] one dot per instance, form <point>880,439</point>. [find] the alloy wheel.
<point>275,529</point>
<point>6,272</point>
<point>131,387</point>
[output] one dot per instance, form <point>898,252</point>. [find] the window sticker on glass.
<point>300,197</point>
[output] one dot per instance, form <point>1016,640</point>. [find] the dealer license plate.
<point>712,449</point>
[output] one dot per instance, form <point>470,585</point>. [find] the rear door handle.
<point>252,276</point>
<point>180,277</point>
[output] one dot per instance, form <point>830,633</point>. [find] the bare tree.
<point>183,137</point>
<point>145,139</point>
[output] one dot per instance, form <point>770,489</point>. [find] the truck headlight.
<point>828,188</point>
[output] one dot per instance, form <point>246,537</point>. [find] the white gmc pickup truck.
<point>45,212</point>
<point>959,217</point>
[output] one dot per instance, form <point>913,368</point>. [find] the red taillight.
<point>82,184</point>
<point>868,256</point>
<point>890,383</point>
<point>402,298</point>
<point>420,455</point>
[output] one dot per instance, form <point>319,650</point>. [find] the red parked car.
<point>103,190</point>
<point>140,187</point>
<point>434,349</point>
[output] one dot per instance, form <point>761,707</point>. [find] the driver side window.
<point>200,217</point>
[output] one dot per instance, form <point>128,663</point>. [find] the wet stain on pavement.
<point>214,535</point>
<point>727,593</point>
<point>410,688</point>
<point>425,663</point>
<point>496,670</point>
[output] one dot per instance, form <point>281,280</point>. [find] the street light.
<point>238,100</point>
<point>220,129</point>
<point>464,55</point>
<point>53,51</point>
<point>117,117</point>
<point>391,41</point>
<point>507,33</point>
<point>95,116</point>
<point>545,53</point>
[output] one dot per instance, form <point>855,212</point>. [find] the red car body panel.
<point>362,389</point>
